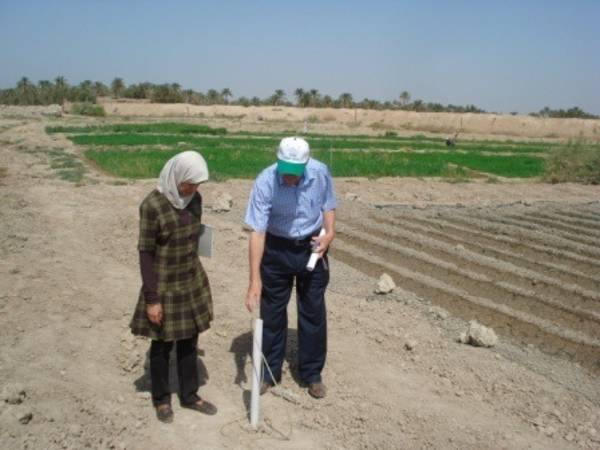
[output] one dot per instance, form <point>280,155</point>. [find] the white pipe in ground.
<point>256,372</point>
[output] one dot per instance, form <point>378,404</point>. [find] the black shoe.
<point>264,387</point>
<point>202,406</point>
<point>317,390</point>
<point>164,413</point>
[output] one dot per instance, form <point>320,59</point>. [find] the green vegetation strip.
<point>139,150</point>
<point>247,164</point>
<point>389,141</point>
<point>204,142</point>
<point>162,127</point>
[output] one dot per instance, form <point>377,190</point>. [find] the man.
<point>290,202</point>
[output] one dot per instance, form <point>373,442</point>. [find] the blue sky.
<point>499,55</point>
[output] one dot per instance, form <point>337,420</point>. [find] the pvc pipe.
<point>314,257</point>
<point>256,372</point>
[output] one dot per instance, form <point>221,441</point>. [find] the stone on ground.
<point>223,203</point>
<point>13,393</point>
<point>479,335</point>
<point>385,285</point>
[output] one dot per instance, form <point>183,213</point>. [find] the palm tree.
<point>117,86</point>
<point>23,83</point>
<point>45,91</point>
<point>26,91</point>
<point>305,100</point>
<point>346,100</point>
<point>212,96</point>
<point>86,91</point>
<point>187,95</point>
<point>225,95</point>
<point>60,89</point>
<point>404,98</point>
<point>243,101</point>
<point>545,112</point>
<point>327,101</point>
<point>417,105</point>
<point>100,89</point>
<point>277,97</point>
<point>314,97</point>
<point>60,82</point>
<point>23,87</point>
<point>299,93</point>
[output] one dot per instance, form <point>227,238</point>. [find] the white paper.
<point>205,241</point>
<point>314,257</point>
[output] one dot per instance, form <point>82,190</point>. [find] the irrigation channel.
<point>530,272</point>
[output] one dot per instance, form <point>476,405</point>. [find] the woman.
<point>175,302</point>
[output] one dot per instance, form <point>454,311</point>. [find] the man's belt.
<point>298,242</point>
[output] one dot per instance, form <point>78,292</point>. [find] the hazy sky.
<point>500,55</point>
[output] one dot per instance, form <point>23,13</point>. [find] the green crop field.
<point>140,151</point>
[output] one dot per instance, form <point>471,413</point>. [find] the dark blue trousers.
<point>284,261</point>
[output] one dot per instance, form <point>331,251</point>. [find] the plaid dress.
<point>182,284</point>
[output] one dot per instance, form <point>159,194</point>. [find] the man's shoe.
<point>164,413</point>
<point>317,390</point>
<point>202,406</point>
<point>264,387</point>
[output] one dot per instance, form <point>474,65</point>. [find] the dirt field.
<point>363,121</point>
<point>521,257</point>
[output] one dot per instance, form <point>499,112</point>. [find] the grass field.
<point>147,163</point>
<point>162,127</point>
<point>132,139</point>
<point>140,151</point>
<point>170,133</point>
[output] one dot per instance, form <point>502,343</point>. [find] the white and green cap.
<point>292,156</point>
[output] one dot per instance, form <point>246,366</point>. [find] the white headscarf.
<point>185,167</point>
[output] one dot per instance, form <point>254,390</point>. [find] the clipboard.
<point>205,241</point>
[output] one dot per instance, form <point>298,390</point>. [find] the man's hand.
<point>255,253</point>
<point>253,295</point>
<point>155,313</point>
<point>321,243</point>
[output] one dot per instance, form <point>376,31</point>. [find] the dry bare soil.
<point>521,257</point>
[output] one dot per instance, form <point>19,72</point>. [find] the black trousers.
<point>187,370</point>
<point>283,262</point>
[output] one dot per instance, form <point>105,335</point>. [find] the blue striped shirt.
<point>291,212</point>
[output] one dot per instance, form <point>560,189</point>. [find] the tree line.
<point>574,112</point>
<point>47,92</point>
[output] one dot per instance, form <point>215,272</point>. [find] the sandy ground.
<point>69,282</point>
<point>362,121</point>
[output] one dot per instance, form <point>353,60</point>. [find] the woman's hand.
<point>155,313</point>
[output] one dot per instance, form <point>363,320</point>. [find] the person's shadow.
<point>241,347</point>
<point>144,383</point>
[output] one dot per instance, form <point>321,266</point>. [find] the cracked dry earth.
<point>520,257</point>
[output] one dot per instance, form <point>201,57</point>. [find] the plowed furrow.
<point>554,224</point>
<point>579,215</point>
<point>494,269</point>
<point>506,321</point>
<point>539,249</point>
<point>587,225</point>
<point>475,283</point>
<point>493,247</point>
<point>591,209</point>
<point>588,244</point>
<point>536,234</point>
